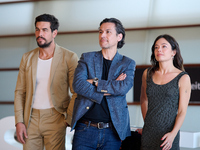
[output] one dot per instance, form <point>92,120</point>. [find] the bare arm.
<point>184,97</point>
<point>143,95</point>
<point>143,98</point>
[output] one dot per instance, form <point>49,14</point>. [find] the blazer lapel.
<point>55,61</point>
<point>34,68</point>
<point>114,65</point>
<point>98,64</point>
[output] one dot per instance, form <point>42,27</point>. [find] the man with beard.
<point>43,106</point>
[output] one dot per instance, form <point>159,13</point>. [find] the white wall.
<point>75,15</point>
<point>137,47</point>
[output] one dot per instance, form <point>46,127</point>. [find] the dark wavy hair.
<point>119,29</point>
<point>177,61</point>
<point>48,18</point>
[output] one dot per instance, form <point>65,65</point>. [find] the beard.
<point>45,45</point>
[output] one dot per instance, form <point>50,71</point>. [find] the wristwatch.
<point>95,80</point>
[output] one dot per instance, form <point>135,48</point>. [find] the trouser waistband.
<point>99,125</point>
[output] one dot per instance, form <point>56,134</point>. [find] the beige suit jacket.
<point>61,77</point>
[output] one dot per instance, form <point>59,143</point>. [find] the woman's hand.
<point>168,140</point>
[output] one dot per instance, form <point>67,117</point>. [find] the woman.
<point>165,94</point>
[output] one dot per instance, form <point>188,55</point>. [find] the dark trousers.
<point>132,142</point>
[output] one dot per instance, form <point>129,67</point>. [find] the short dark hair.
<point>119,29</point>
<point>48,18</point>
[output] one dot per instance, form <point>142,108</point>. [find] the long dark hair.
<point>119,29</point>
<point>177,61</point>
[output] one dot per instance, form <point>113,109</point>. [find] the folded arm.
<point>80,84</point>
<point>121,77</point>
<point>118,86</point>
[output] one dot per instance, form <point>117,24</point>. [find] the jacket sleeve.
<point>72,64</point>
<point>80,84</point>
<point>20,93</point>
<point>115,87</point>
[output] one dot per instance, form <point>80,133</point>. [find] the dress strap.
<point>181,74</point>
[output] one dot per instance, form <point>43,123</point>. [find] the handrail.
<point>12,2</point>
<point>137,66</point>
<point>138,103</point>
<point>9,69</point>
<point>96,31</point>
<point>6,102</point>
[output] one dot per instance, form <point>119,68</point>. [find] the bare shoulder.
<point>185,80</point>
<point>144,75</point>
<point>145,72</point>
<point>185,77</point>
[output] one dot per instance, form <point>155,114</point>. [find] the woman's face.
<point>163,51</point>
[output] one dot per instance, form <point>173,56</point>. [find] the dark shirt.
<point>100,112</point>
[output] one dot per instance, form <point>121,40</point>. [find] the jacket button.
<point>87,107</point>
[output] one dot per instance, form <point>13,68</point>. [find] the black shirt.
<point>100,112</point>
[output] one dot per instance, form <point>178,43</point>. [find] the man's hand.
<point>121,77</point>
<point>139,131</point>
<point>90,81</point>
<point>21,132</point>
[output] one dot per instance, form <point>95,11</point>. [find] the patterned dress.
<point>163,101</point>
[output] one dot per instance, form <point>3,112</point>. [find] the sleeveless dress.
<point>163,101</point>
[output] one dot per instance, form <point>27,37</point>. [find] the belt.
<point>99,125</point>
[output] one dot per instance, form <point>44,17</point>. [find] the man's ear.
<point>55,32</point>
<point>120,36</point>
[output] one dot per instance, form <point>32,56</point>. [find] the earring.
<point>172,57</point>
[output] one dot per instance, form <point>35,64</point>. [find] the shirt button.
<point>87,107</point>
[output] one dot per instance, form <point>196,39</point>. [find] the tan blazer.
<point>61,77</point>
